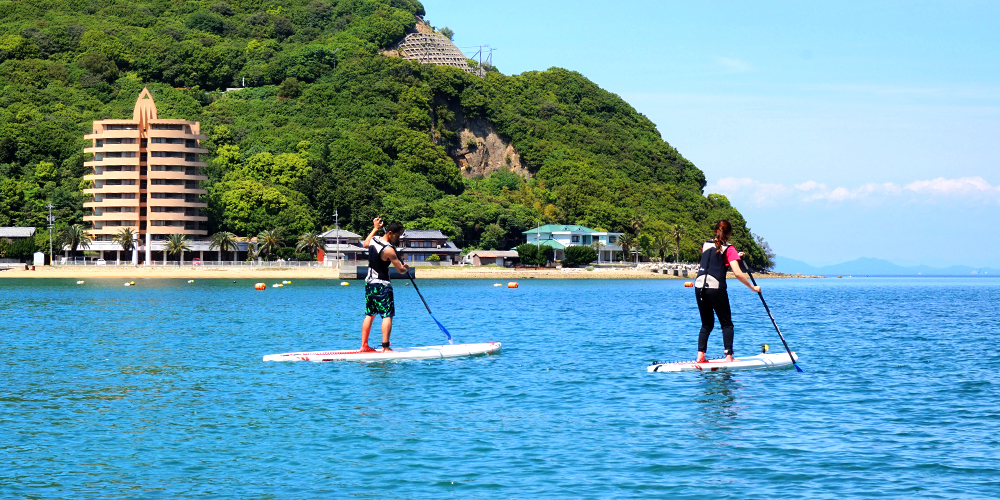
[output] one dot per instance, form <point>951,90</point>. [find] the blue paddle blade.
<point>797,367</point>
<point>443,329</point>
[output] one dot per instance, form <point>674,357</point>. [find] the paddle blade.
<point>797,367</point>
<point>443,329</point>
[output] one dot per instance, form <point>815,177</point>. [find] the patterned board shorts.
<point>378,300</point>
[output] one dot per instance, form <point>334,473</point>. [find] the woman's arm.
<point>742,276</point>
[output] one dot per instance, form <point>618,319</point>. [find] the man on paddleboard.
<point>710,288</point>
<point>378,288</point>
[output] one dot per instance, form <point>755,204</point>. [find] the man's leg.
<point>386,332</point>
<point>366,328</point>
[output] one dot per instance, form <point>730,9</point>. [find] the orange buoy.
<point>512,284</point>
<point>260,286</point>
<point>688,284</point>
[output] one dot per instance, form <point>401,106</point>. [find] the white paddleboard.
<point>426,352</point>
<point>758,362</point>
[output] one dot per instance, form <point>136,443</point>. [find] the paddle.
<point>761,294</point>
<point>443,329</point>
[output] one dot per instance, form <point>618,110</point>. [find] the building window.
<point>167,140</point>
<point>576,238</point>
<point>167,154</point>
<point>190,156</point>
<point>121,127</point>
<point>167,126</point>
<point>611,239</point>
<point>190,143</point>
<point>168,196</point>
<point>119,141</point>
<point>100,143</point>
<point>167,168</point>
<point>167,182</point>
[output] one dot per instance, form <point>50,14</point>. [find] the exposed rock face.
<point>482,150</point>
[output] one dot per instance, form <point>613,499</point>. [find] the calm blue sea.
<point>159,390</point>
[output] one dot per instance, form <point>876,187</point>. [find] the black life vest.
<point>378,269</point>
<point>712,268</point>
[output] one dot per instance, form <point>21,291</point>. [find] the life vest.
<point>712,268</point>
<point>378,269</point>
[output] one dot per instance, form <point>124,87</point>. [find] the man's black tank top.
<point>378,269</point>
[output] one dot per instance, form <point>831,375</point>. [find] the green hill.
<point>328,123</point>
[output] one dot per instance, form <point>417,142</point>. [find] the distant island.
<point>876,267</point>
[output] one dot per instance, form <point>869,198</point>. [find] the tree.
<point>74,237</point>
<point>224,241</point>
<point>677,232</point>
<point>661,245</point>
<point>768,262</point>
<point>597,245</point>
<point>268,242</point>
<point>448,33</point>
<point>290,88</point>
<point>626,241</point>
<point>578,255</point>
<point>311,243</point>
<point>126,239</point>
<point>177,244</point>
<point>492,237</point>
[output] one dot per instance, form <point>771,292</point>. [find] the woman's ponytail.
<point>723,230</point>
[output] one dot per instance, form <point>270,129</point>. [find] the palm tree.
<point>73,237</point>
<point>677,232</point>
<point>268,241</point>
<point>125,239</point>
<point>661,245</point>
<point>626,241</point>
<point>224,241</point>
<point>311,243</point>
<point>598,245</point>
<point>177,244</point>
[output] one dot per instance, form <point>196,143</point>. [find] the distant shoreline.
<point>238,272</point>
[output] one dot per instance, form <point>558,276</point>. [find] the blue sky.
<point>845,130</point>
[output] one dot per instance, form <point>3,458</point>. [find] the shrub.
<point>578,255</point>
<point>434,258</point>
<point>205,22</point>
<point>532,255</point>
<point>290,88</point>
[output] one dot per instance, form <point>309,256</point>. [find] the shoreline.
<point>197,272</point>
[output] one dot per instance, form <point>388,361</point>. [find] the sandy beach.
<point>238,272</point>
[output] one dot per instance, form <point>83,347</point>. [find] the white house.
<point>560,236</point>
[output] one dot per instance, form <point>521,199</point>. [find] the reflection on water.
<point>719,400</point>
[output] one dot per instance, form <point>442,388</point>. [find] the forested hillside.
<point>328,123</point>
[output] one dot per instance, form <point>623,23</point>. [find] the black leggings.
<point>714,300</point>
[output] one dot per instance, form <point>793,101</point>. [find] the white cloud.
<point>810,186</point>
<point>963,185</point>
<point>770,194</point>
<point>734,65</point>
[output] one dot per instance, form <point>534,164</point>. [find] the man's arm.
<point>377,223</point>
<point>390,254</point>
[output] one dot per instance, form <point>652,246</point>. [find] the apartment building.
<point>147,176</point>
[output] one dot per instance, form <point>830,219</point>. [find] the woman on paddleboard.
<point>717,256</point>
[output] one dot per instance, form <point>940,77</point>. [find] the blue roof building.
<point>560,236</point>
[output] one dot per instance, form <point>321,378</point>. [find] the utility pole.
<point>51,220</point>
<point>336,227</point>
